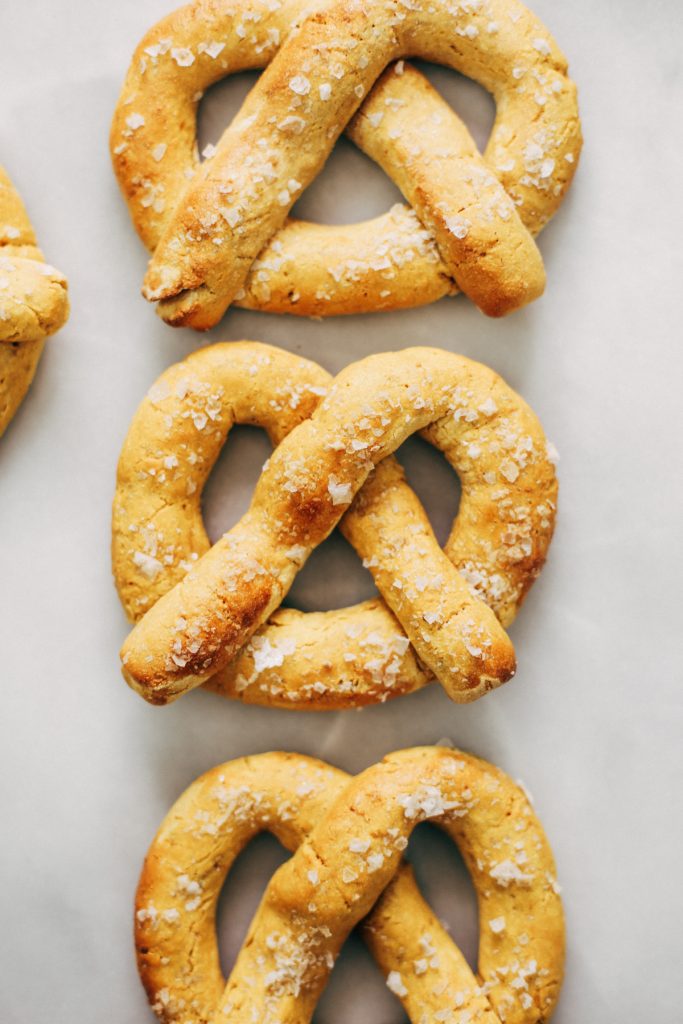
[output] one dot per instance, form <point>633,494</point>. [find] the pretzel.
<point>347,836</point>
<point>33,301</point>
<point>211,611</point>
<point>219,230</point>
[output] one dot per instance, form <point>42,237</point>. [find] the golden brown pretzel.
<point>349,835</point>
<point>219,230</point>
<point>33,301</point>
<point>212,612</point>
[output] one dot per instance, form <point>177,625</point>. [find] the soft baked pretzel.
<point>33,301</point>
<point>212,612</point>
<point>349,835</point>
<point>219,230</point>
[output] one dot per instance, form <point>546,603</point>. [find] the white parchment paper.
<point>592,723</point>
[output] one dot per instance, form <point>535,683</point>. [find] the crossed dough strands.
<point>211,612</point>
<point>219,230</point>
<point>33,301</point>
<point>349,835</point>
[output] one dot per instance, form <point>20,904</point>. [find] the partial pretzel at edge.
<point>347,836</point>
<point>33,301</point>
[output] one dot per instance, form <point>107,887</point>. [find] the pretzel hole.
<point>470,101</point>
<point>242,892</point>
<point>354,985</point>
<point>219,105</point>
<point>336,560</point>
<point>333,199</point>
<point>232,481</point>
<point>446,885</point>
<point>435,482</point>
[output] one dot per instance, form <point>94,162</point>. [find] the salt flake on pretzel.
<point>210,613</point>
<point>348,836</point>
<point>220,232</point>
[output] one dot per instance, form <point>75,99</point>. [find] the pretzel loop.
<point>348,835</point>
<point>219,230</point>
<point>199,606</point>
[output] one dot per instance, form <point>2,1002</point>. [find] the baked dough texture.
<point>219,230</point>
<point>33,301</point>
<point>212,614</point>
<point>347,836</point>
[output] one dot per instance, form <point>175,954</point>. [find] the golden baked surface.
<point>348,835</point>
<point>211,613</point>
<point>219,230</point>
<point>33,301</point>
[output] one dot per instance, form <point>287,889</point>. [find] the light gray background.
<point>592,721</point>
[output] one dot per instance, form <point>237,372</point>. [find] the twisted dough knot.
<point>204,612</point>
<point>219,231</point>
<point>33,301</point>
<point>349,835</point>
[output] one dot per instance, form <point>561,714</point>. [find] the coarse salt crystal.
<point>300,85</point>
<point>149,566</point>
<point>182,56</point>
<point>340,493</point>
<point>211,49</point>
<point>506,871</point>
<point>231,215</point>
<point>395,984</point>
<point>375,861</point>
<point>458,226</point>
<point>135,121</point>
<point>488,407</point>
<point>509,470</point>
<point>552,453</point>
